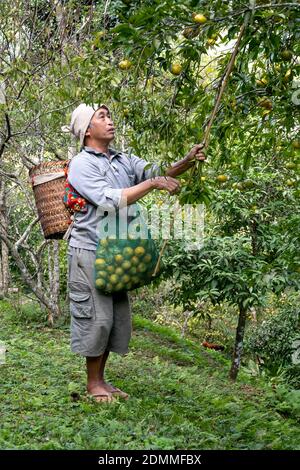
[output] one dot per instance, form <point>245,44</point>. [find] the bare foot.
<point>100,393</point>
<point>115,391</point>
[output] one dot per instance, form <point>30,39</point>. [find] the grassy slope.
<point>180,396</point>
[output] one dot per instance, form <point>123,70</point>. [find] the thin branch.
<point>40,249</point>
<point>8,135</point>
<point>30,42</point>
<point>25,235</point>
<point>257,7</point>
<point>6,174</point>
<point>82,27</point>
<point>45,114</point>
<point>105,13</point>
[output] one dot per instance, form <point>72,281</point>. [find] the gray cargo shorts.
<point>99,322</point>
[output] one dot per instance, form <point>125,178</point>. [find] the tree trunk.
<point>238,348</point>
<point>4,262</point>
<point>56,272</point>
<point>53,272</point>
<point>72,148</point>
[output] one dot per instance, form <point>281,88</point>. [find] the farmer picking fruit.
<point>99,274</point>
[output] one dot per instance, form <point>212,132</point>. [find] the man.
<point>105,178</point>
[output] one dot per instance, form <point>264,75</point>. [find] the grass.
<point>180,396</point>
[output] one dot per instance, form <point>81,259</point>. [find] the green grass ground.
<point>180,396</point>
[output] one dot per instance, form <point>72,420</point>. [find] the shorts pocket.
<point>81,301</point>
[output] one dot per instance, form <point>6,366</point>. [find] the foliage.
<point>272,339</point>
<point>224,269</point>
<point>287,401</point>
<point>275,341</point>
<point>57,54</point>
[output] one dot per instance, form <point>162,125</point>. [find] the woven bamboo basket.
<point>48,182</point>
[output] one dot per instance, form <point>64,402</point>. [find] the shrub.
<point>275,342</point>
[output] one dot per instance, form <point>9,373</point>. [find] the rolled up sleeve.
<point>144,170</point>
<point>87,180</point>
<point>113,194</point>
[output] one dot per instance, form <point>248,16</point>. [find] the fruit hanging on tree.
<point>222,178</point>
<point>176,68</point>
<point>190,33</point>
<point>286,55</point>
<point>199,18</point>
<point>262,81</point>
<point>265,102</point>
<point>296,144</point>
<point>125,64</point>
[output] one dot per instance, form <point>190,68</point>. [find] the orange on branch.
<point>176,68</point>
<point>125,64</point>
<point>296,144</point>
<point>199,18</point>
<point>286,54</point>
<point>262,81</point>
<point>265,102</point>
<point>222,178</point>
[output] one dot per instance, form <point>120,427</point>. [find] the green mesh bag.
<point>127,256</point>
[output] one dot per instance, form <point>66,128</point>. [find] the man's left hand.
<point>196,153</point>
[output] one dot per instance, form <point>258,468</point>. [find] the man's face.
<point>101,126</point>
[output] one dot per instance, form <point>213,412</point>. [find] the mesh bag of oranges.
<point>126,254</point>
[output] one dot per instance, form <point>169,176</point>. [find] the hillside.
<point>180,396</point>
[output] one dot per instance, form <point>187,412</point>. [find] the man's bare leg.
<point>103,360</point>
<point>109,387</point>
<point>95,377</point>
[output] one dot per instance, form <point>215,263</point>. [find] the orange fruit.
<point>296,144</point>
<point>119,258</point>
<point>119,271</point>
<point>114,279</point>
<point>125,64</point>
<point>135,260</point>
<point>199,18</point>
<point>222,178</point>
<point>100,262</point>
<point>139,251</point>
<point>176,68</point>
<point>100,283</point>
<point>126,265</point>
<point>286,54</point>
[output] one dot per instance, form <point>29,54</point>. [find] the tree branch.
<point>8,135</point>
<point>256,7</point>
<point>26,233</point>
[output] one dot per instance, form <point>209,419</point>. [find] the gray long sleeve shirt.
<point>100,181</point>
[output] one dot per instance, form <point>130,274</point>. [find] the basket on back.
<point>48,182</point>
